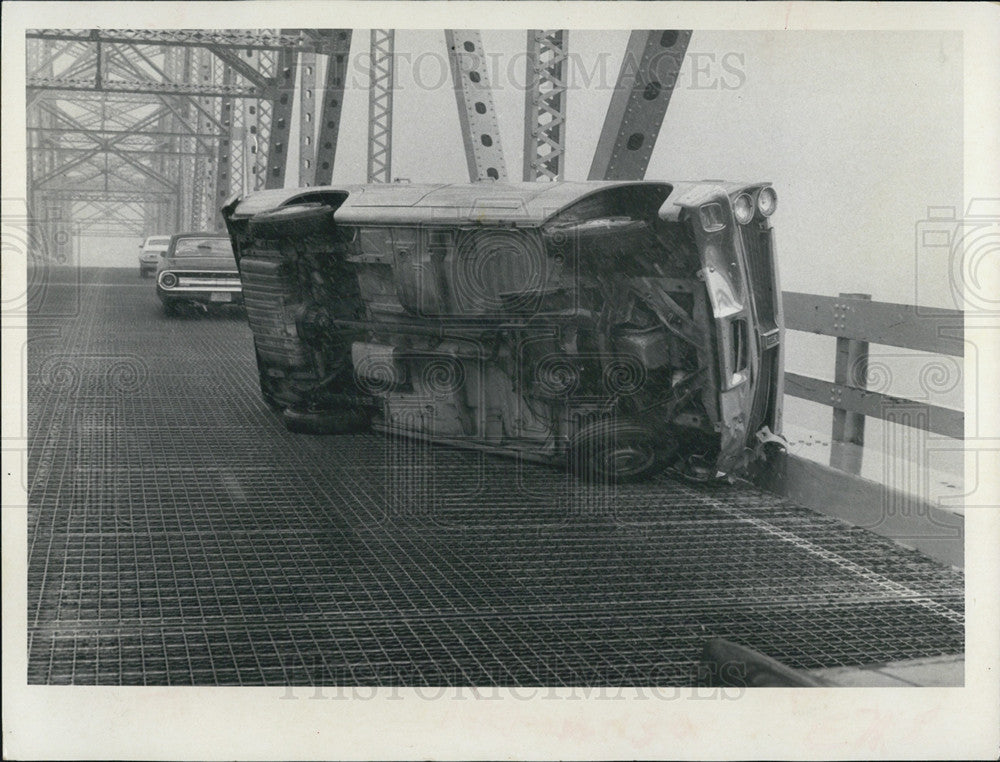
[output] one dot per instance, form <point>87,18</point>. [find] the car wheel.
<point>343,421</point>
<point>617,451</point>
<point>169,307</point>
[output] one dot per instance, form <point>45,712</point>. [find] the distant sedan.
<point>198,268</point>
<point>150,251</point>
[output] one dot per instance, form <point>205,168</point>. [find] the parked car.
<point>198,268</point>
<point>615,327</point>
<point>150,251</point>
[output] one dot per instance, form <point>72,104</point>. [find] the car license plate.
<point>220,296</point>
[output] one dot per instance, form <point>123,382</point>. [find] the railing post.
<point>848,438</point>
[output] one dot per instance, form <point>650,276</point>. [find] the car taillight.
<point>767,201</point>
<point>743,208</point>
<point>168,280</point>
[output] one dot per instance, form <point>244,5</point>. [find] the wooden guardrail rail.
<point>856,321</point>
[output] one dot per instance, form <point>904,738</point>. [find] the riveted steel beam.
<point>224,156</point>
<point>307,118</point>
<point>639,103</point>
<point>545,104</point>
<point>201,68</point>
<point>281,119</point>
<point>476,112</point>
<point>113,195</point>
<point>104,85</point>
<point>380,90</point>
<point>242,39</point>
<point>332,103</point>
<point>103,133</point>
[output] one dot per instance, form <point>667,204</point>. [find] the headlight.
<point>168,280</point>
<point>743,208</point>
<point>767,201</point>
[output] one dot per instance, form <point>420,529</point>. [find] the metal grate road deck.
<point>179,535</point>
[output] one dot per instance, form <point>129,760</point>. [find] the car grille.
<point>268,286</point>
<point>760,261</point>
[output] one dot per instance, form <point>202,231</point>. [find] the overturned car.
<point>616,327</point>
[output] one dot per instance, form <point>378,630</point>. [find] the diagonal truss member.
<point>281,119</point>
<point>476,113</point>
<point>545,104</point>
<point>307,118</point>
<point>646,81</point>
<point>380,106</point>
<point>338,47</point>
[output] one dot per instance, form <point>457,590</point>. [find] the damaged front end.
<point>618,328</point>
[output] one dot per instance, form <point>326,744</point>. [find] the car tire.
<point>169,307</point>
<point>343,421</point>
<point>617,451</point>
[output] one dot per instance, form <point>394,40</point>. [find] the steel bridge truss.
<point>545,105</point>
<point>476,112</point>
<point>639,103</point>
<point>383,43</point>
<point>150,131</point>
<point>174,121</point>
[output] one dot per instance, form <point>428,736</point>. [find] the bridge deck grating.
<point>179,535</point>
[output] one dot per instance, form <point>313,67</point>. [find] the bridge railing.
<point>856,321</point>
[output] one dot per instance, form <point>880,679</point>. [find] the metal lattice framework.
<point>134,132</point>
<point>545,104</point>
<point>171,121</point>
<point>646,81</point>
<point>476,112</point>
<point>380,106</point>
<point>239,39</point>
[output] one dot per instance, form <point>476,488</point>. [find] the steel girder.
<point>103,133</point>
<point>545,105</point>
<point>108,195</point>
<point>140,87</point>
<point>476,112</point>
<point>240,39</point>
<point>230,156</point>
<point>281,120</point>
<point>307,118</point>
<point>646,81</point>
<point>380,106</point>
<point>333,103</point>
<point>257,119</point>
<point>202,166</point>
